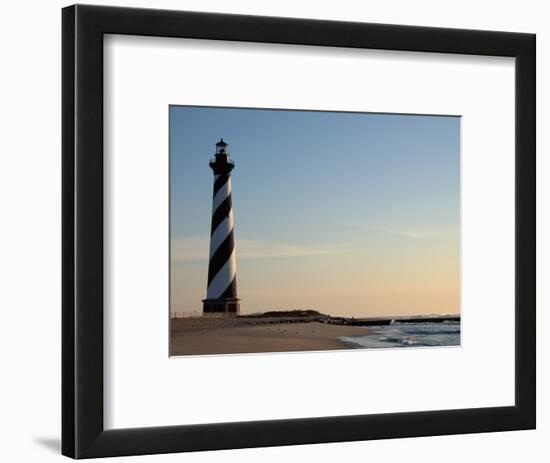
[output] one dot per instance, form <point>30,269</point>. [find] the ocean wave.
<point>408,335</point>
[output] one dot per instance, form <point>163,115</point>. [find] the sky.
<point>352,214</point>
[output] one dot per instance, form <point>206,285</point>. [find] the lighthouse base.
<point>226,306</point>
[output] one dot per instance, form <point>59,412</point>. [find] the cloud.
<point>193,248</point>
<point>250,249</point>
<point>417,234</point>
<point>197,248</point>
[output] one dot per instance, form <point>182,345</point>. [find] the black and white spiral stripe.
<point>222,268</point>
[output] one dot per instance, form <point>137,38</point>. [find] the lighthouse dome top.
<point>221,147</point>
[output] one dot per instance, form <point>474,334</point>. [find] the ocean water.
<point>409,335</point>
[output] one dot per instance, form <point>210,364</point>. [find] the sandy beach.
<point>196,336</point>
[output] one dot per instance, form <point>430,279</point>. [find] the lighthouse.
<point>221,292</point>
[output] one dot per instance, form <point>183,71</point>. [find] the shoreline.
<point>210,336</point>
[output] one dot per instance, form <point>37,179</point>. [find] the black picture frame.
<point>83,433</point>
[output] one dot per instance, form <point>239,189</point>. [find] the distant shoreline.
<point>381,321</point>
<point>305,316</point>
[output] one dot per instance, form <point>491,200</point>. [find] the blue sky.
<point>354,210</point>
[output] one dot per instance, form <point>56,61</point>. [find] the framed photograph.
<point>329,270</point>
<point>285,231</point>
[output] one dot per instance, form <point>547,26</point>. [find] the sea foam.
<point>409,335</point>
